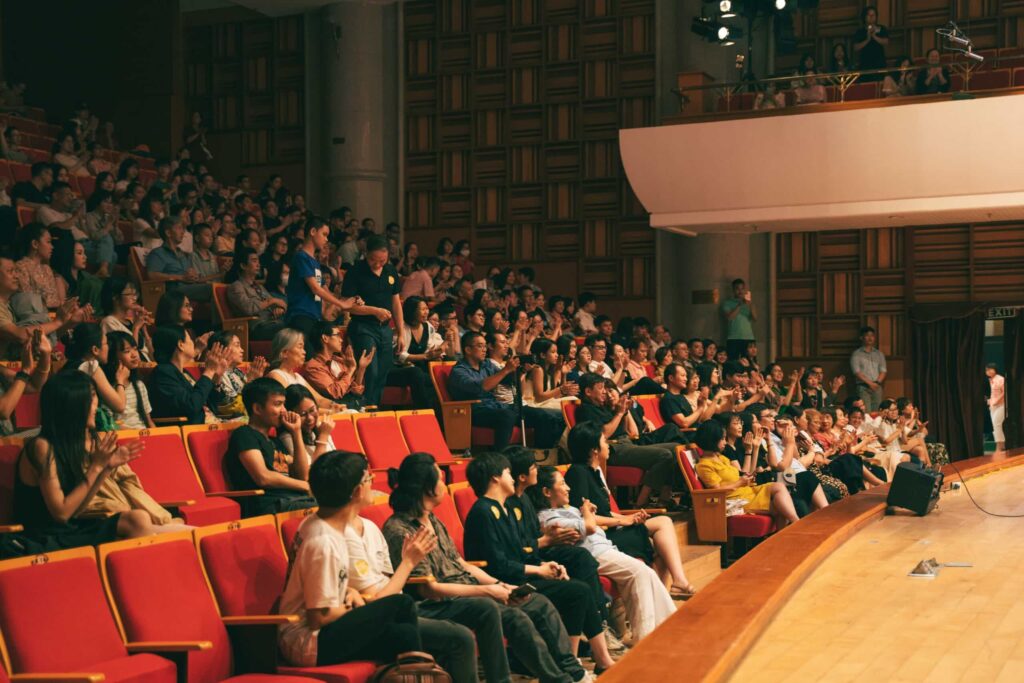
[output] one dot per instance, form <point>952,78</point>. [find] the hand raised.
<point>418,545</point>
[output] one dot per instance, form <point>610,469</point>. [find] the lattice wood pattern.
<point>829,284</point>
<point>911,23</point>
<point>513,109</point>
<point>247,79</point>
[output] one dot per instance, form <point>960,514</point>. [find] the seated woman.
<point>335,624</point>
<point>35,276</point>
<point>332,370</point>
<point>120,300</point>
<point>647,601</point>
<point>316,433</point>
<point>173,392</point>
<point>88,352</point>
<point>123,353</point>
<point>64,155</point>
<point>226,397</point>
<point>833,451</point>
<point>895,442</point>
<point>581,365</point>
<point>100,226</point>
<point>277,281</point>
<point>546,386</point>
<point>287,356</point>
<point>246,297</point>
<point>73,280</point>
<point>715,471</point>
<point>420,345</point>
<point>59,472</point>
<point>652,539</point>
<point>175,308</point>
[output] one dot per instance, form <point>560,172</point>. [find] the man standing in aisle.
<point>739,315</point>
<point>868,365</point>
<point>997,404</point>
<point>375,281</point>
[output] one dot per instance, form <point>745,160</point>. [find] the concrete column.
<point>357,49</point>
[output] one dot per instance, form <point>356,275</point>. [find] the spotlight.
<point>780,5</point>
<point>725,8</point>
<point>711,30</point>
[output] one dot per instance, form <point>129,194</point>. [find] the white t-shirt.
<point>317,578</point>
<point>369,559</point>
<point>130,418</point>
<point>795,463</point>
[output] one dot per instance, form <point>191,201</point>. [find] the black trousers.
<point>547,427</point>
<point>582,566</point>
<point>380,631</point>
<point>574,602</point>
<point>448,635</point>
<point>538,641</point>
<point>418,381</point>
<point>657,460</point>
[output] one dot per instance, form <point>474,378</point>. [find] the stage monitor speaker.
<point>914,488</point>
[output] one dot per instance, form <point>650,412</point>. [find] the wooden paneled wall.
<point>911,24</point>
<point>246,76</point>
<point>829,284</point>
<point>512,110</point>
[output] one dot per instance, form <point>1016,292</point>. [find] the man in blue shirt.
<point>172,265</point>
<point>739,315</point>
<point>473,378</point>
<point>306,292</point>
<point>868,365</point>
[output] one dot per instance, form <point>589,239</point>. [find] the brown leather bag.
<point>411,667</point>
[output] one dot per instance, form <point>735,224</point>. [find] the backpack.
<point>411,667</point>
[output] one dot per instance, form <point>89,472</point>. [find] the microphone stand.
<point>517,401</point>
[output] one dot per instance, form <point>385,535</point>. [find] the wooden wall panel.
<point>829,284</point>
<point>513,109</point>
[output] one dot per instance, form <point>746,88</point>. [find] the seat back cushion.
<point>382,441</point>
<point>165,471</point>
<point>247,568</point>
<point>208,450</point>
<point>423,435</point>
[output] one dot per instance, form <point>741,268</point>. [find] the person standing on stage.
<point>868,365</point>
<point>375,282</point>
<point>997,404</point>
<point>306,293</point>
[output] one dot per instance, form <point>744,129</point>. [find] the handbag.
<point>411,667</point>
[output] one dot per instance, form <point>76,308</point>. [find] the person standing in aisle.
<point>997,404</point>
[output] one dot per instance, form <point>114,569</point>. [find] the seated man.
<point>255,461</point>
<point>492,537</point>
<point>246,297</point>
<point>675,406</point>
<point>169,263</point>
<point>63,216</point>
<point>332,370</point>
<point>657,459</point>
<point>172,391</point>
<point>473,378</point>
<point>536,636</point>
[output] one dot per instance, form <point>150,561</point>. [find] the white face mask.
<point>284,280</point>
<point>465,253</point>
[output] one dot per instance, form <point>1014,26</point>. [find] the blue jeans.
<point>101,251</point>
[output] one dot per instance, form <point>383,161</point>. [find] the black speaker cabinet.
<point>914,488</point>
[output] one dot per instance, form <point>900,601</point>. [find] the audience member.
<point>123,354</point>
<point>226,397</point>
<point>869,42</point>
<point>100,228</point>
<point>332,369</point>
<point>869,369</point>
<point>420,346</point>
<point>306,294</point>
<point>934,77</point>
<point>336,625</point>
<point>173,391</point>
<point>248,298</point>
<point>996,404</point>
<point>70,263</point>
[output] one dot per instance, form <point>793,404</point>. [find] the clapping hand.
<point>217,359</point>
<point>257,367</point>
<point>837,383</point>
<point>111,455</point>
<point>366,357</point>
<point>418,545</point>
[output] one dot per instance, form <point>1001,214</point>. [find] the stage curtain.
<point>1013,355</point>
<point>949,375</point>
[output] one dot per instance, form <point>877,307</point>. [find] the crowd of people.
<point>350,309</point>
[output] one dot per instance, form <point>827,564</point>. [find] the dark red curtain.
<point>949,375</point>
<point>1013,355</point>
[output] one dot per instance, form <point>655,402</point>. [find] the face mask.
<point>465,253</point>
<point>284,280</point>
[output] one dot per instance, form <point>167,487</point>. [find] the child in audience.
<point>336,625</point>
<point>88,351</point>
<point>535,633</point>
<point>255,461</point>
<point>491,537</point>
<point>647,601</point>
<point>123,354</point>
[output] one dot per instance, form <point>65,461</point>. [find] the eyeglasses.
<point>367,478</point>
<point>312,411</point>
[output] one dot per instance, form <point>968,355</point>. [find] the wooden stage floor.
<point>859,617</point>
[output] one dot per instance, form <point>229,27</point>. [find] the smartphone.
<point>37,338</point>
<point>522,591</point>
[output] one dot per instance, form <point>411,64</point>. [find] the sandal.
<point>682,594</point>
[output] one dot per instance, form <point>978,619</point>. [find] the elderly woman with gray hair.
<point>287,356</point>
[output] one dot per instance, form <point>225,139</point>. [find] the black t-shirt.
<point>28,192</point>
<point>589,412</point>
<point>674,404</point>
<point>524,518</point>
<point>246,438</point>
<point>585,482</point>
<point>376,290</point>
<point>873,54</point>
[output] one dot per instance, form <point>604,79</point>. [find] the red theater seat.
<point>423,435</point>
<point>344,433</point>
<point>709,510</point>
<point>207,445</point>
<point>55,620</point>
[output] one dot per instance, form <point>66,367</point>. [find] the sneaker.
<point>587,678</point>
<point>615,646</point>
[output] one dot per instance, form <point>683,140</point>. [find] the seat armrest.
<point>58,678</point>
<point>247,493</point>
<point>417,580</point>
<point>176,503</point>
<point>709,514</point>
<point>170,420</point>
<point>11,528</point>
<point>169,646</point>
<point>261,619</point>
<point>652,511</point>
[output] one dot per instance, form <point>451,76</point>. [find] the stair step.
<point>702,563</point>
<point>686,529</point>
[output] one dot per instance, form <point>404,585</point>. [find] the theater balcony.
<point>922,160</point>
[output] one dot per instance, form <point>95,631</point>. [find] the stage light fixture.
<point>780,5</point>
<point>711,30</point>
<point>725,9</point>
